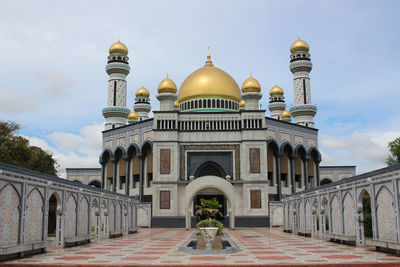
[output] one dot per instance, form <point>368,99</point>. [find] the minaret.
<point>167,94</point>
<point>251,89</point>
<point>117,68</point>
<point>142,103</point>
<point>276,102</point>
<point>303,111</point>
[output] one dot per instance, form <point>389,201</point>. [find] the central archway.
<point>212,182</point>
<point>210,168</point>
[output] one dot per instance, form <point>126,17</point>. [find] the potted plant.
<point>209,227</point>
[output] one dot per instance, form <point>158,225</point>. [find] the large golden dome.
<point>167,86</point>
<point>118,47</point>
<point>299,45</point>
<point>209,81</point>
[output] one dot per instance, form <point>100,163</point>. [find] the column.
<point>292,178</point>
<point>114,175</point>
<point>103,185</point>
<point>141,171</point>
<point>278,174</point>
<point>127,175</point>
<point>317,173</point>
<point>305,162</point>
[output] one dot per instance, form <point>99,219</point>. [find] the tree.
<point>15,150</point>
<point>208,208</point>
<point>394,148</point>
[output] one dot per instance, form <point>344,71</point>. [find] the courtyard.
<point>258,246</point>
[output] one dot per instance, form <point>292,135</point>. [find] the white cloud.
<point>73,150</point>
<point>368,151</point>
<point>16,101</point>
<point>54,83</point>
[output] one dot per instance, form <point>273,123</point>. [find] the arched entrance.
<point>210,168</point>
<point>209,182</point>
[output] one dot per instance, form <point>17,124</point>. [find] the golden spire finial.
<point>209,62</point>
<point>250,74</point>
<point>167,75</point>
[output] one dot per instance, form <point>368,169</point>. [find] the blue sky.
<point>53,81</point>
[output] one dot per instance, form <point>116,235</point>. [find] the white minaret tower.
<point>302,111</point>
<point>142,103</point>
<point>276,102</point>
<point>117,68</point>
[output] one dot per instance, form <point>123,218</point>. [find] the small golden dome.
<point>142,92</point>
<point>118,47</point>
<point>286,115</point>
<point>241,104</point>
<point>167,86</point>
<point>176,104</point>
<point>209,81</point>
<point>299,45</point>
<point>276,90</point>
<point>133,116</point>
<point>251,85</point>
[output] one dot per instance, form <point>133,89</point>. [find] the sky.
<point>53,82</point>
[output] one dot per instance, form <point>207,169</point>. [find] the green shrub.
<point>214,223</point>
<point>367,221</point>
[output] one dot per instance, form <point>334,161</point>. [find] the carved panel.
<point>121,141</point>
<point>148,135</point>
<point>165,161</point>
<point>134,138</point>
<point>165,200</point>
<point>254,160</point>
<point>255,199</point>
<point>108,144</point>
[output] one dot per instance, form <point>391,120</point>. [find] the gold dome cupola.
<point>167,86</point>
<point>251,85</point>
<point>209,89</point>
<point>118,48</point>
<point>299,45</point>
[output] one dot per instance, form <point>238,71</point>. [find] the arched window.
<point>200,104</point>
<point>223,104</point>
<point>213,103</point>
<point>209,103</point>
<point>218,103</point>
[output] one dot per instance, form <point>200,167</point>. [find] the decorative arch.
<point>313,151</point>
<point>95,183</point>
<point>308,214</point>
<point>325,181</point>
<point>210,168</point>
<point>336,215</point>
<point>106,155</point>
<point>83,216</point>
<point>133,147</point>
<point>9,215</point>
<point>111,216</point>
<point>286,145</point>
<point>300,212</point>
<point>205,182</point>
<point>70,216</point>
<point>146,145</point>
<point>385,213</point>
<point>299,149</point>
<point>119,153</point>
<point>349,215</point>
<point>271,143</point>
<point>34,215</point>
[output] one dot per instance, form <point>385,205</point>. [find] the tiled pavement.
<point>259,246</point>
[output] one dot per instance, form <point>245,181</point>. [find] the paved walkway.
<point>259,246</point>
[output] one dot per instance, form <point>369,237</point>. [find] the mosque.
<point>209,139</point>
